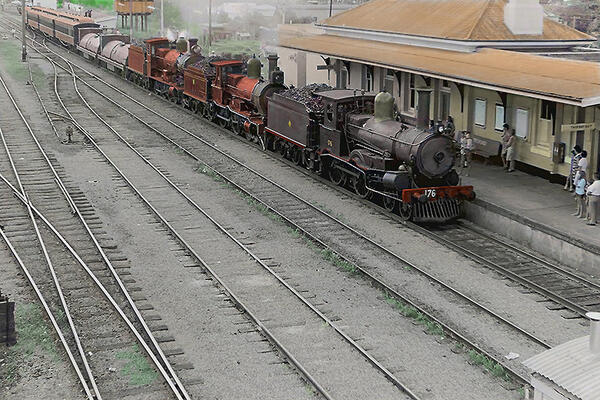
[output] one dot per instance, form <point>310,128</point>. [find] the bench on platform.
<point>486,148</point>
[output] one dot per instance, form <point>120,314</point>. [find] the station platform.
<point>534,212</point>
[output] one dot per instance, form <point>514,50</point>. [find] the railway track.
<point>276,198</point>
<point>85,299</point>
<point>567,290</point>
<point>180,214</point>
<point>295,213</point>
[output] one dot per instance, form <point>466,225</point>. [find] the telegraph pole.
<point>23,30</point>
<point>162,18</point>
<point>209,24</point>
<point>330,7</point>
<point>130,21</point>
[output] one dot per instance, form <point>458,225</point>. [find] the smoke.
<point>171,35</point>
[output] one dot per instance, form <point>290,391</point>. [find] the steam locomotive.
<point>347,135</point>
<point>354,138</point>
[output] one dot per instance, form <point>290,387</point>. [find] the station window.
<point>480,112</point>
<point>522,122</point>
<point>499,124</point>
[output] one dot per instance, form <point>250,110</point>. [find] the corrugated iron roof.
<point>571,366</point>
<point>473,20</point>
<point>60,14</point>
<point>566,81</point>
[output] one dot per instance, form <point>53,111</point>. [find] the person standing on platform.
<point>505,137</point>
<point>593,193</point>
<point>575,157</point>
<point>580,196</point>
<point>449,127</point>
<point>466,147</point>
<point>510,151</point>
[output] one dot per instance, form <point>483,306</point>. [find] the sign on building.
<point>578,127</point>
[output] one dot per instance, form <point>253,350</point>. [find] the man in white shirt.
<point>593,192</point>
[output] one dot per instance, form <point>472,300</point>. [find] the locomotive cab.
<point>338,105</point>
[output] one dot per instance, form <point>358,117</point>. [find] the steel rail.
<point>278,186</point>
<point>91,274</point>
<point>210,271</point>
<point>176,388</point>
<point>54,277</point>
<point>534,257</point>
<point>324,245</point>
<point>49,313</point>
<point>37,93</point>
<point>510,274</point>
<point>220,227</point>
<point>115,275</point>
<point>106,260</point>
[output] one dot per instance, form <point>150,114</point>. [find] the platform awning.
<point>561,80</point>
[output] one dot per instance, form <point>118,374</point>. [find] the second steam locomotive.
<point>350,136</point>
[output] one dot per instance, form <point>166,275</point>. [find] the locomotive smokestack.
<point>594,332</point>
<point>384,107</point>
<point>272,62</point>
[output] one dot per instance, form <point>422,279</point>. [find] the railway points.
<point>120,121</point>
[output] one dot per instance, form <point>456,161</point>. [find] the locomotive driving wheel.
<point>237,126</point>
<point>389,203</point>
<point>297,156</point>
<point>337,176</point>
<point>360,187</point>
<point>406,211</point>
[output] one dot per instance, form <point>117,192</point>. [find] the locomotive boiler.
<point>354,138</point>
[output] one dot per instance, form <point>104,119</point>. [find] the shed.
<point>570,371</point>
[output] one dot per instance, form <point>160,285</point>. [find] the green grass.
<point>104,4</point>
<point>137,367</point>
<point>431,327</point>
<point>335,259</point>
<point>490,365</point>
<point>10,56</point>
<point>236,47</point>
<point>33,338</point>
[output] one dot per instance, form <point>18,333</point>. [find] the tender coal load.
<point>205,66</point>
<point>307,95</point>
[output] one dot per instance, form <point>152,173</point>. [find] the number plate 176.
<point>430,193</point>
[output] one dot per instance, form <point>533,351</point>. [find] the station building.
<point>483,62</point>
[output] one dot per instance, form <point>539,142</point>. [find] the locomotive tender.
<point>348,135</point>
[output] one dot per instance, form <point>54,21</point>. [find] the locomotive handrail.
<point>389,137</point>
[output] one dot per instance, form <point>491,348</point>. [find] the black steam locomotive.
<point>354,138</point>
